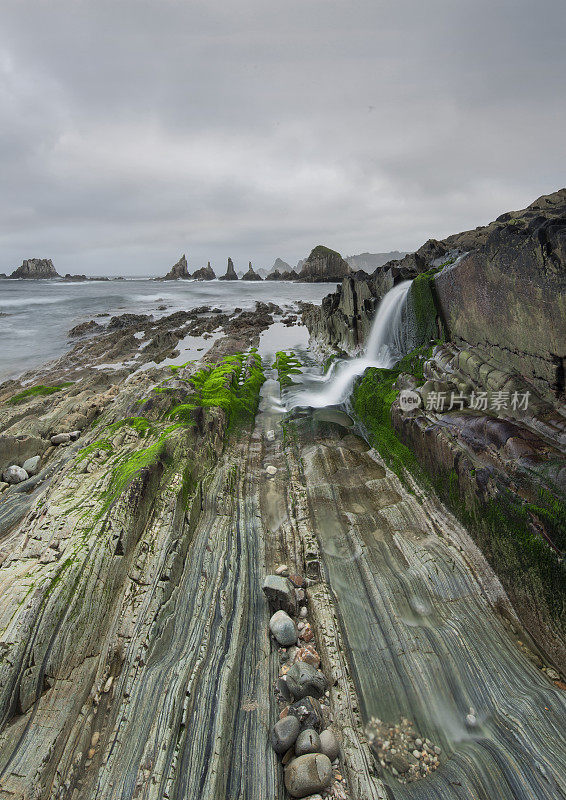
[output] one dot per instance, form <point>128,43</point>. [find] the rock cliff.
<point>323,265</point>
<point>230,272</point>
<point>36,269</point>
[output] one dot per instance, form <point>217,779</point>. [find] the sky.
<point>132,131</point>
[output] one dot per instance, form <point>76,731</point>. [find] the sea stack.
<point>204,273</point>
<point>324,265</point>
<point>178,270</point>
<point>36,269</point>
<point>251,274</point>
<point>230,272</point>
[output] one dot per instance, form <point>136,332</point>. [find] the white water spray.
<point>383,349</point>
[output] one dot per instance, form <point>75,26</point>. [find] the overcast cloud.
<point>134,130</point>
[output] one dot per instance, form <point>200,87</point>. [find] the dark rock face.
<point>178,270</point>
<point>204,274</point>
<point>230,272</point>
<point>289,275</point>
<point>251,274</point>
<point>36,269</point>
<point>84,328</point>
<point>323,265</point>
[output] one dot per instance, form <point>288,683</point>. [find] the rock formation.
<point>251,275</point>
<point>289,275</point>
<point>36,269</point>
<point>178,270</point>
<point>230,272</point>
<point>323,265</point>
<point>204,274</point>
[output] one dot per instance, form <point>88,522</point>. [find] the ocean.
<point>35,316</point>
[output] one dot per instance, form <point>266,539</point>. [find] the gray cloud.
<point>133,130</point>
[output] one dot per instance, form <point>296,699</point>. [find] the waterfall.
<point>385,346</point>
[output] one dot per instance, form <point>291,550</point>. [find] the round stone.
<point>308,741</point>
<point>283,628</point>
<point>308,774</point>
<point>14,474</point>
<point>60,438</point>
<point>284,734</point>
<point>31,466</point>
<point>329,744</point>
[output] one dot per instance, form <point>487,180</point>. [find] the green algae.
<point>37,391</point>
<point>232,385</point>
<point>286,364</point>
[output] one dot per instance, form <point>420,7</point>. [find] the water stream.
<point>385,346</point>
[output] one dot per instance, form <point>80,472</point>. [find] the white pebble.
<point>271,470</point>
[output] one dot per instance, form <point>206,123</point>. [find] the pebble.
<point>307,633</point>
<point>271,470</point>
<point>308,711</point>
<point>308,741</point>
<point>14,474</point>
<point>282,570</point>
<point>303,612</point>
<point>308,654</point>
<point>270,436</point>
<point>329,744</point>
<point>283,628</point>
<point>284,734</point>
<point>471,720</point>
<point>408,757</point>
<point>304,680</point>
<point>308,774</point>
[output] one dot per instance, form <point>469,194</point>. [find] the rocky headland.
<point>178,271</point>
<point>230,274</point>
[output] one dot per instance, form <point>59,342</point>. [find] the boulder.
<point>284,734</point>
<point>308,774</point>
<point>329,744</point>
<point>60,438</point>
<point>303,679</point>
<point>280,593</point>
<point>14,474</point>
<point>283,628</point>
<point>36,269</point>
<point>308,741</point>
<point>31,465</point>
<point>230,272</point>
<point>84,328</point>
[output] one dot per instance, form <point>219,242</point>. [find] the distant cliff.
<point>370,261</point>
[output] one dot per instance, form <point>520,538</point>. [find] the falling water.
<point>385,346</point>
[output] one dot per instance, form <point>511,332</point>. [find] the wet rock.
<point>14,474</point>
<point>308,774</point>
<point>304,679</point>
<point>329,744</point>
<point>308,741</point>
<point>284,734</point>
<point>308,712</point>
<point>280,594</point>
<point>31,465</point>
<point>283,628</point>
<point>60,438</point>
